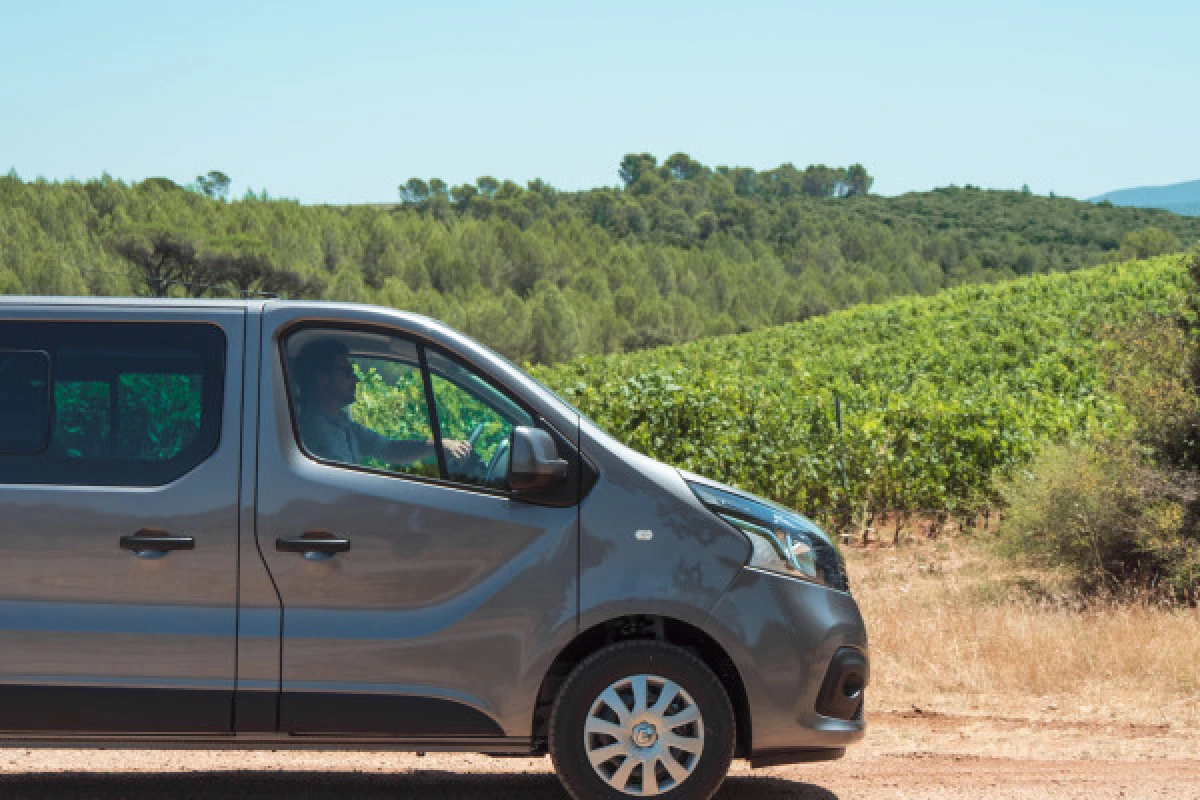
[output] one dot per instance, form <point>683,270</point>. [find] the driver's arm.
<point>405,451</point>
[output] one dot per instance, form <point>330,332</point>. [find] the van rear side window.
<point>24,402</point>
<point>127,404</point>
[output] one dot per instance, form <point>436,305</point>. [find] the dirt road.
<point>911,754</point>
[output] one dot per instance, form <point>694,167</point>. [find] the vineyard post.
<point>837,411</point>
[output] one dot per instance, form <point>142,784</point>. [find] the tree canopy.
<point>679,250</point>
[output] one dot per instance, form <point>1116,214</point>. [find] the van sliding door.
<point>119,453</point>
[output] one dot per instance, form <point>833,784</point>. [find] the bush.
<point>1150,365</point>
<point>1114,521</point>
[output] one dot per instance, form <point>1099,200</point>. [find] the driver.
<point>327,382</point>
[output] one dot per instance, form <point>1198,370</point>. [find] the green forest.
<point>674,252</point>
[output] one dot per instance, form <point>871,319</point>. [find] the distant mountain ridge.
<point>1180,198</point>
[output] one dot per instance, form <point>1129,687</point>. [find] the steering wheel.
<point>474,437</point>
<point>472,464</point>
<point>499,458</point>
<point>491,472</point>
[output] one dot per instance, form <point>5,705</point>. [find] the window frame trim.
<point>435,424</point>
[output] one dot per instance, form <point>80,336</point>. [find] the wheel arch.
<point>646,627</point>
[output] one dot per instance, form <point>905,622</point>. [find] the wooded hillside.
<point>678,251</point>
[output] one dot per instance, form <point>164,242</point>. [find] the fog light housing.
<point>844,688</point>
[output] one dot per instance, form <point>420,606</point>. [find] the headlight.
<point>780,540</point>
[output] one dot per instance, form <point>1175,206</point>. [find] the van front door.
<point>420,599</point>
<point>119,451</point>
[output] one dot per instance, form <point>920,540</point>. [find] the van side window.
<point>358,399</point>
<point>24,402</point>
<point>471,409</point>
<point>362,399</point>
<point>129,404</point>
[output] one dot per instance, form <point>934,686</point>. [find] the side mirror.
<point>534,463</point>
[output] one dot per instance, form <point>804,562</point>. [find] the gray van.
<point>266,524</point>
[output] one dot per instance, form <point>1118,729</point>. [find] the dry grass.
<point>954,629</point>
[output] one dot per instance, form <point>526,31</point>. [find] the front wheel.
<point>642,719</point>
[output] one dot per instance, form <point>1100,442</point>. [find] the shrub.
<point>1150,365</point>
<point>1114,521</point>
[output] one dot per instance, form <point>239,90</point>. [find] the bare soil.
<point>907,754</point>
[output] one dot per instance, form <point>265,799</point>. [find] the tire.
<point>585,725</point>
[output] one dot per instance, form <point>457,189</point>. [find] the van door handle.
<point>152,543</point>
<point>315,545</point>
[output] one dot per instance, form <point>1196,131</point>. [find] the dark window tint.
<point>136,404</point>
<point>24,401</point>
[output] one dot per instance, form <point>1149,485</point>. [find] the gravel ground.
<point>906,755</point>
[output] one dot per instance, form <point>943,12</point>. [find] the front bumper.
<point>798,647</point>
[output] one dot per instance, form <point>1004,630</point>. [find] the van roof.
<point>130,302</point>
<point>201,303</point>
<point>151,302</point>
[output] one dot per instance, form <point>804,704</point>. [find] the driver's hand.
<point>456,449</point>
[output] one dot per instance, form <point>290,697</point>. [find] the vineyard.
<point>939,396</point>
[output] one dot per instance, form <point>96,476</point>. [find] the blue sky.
<point>341,102</point>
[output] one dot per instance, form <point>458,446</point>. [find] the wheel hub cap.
<point>644,735</point>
